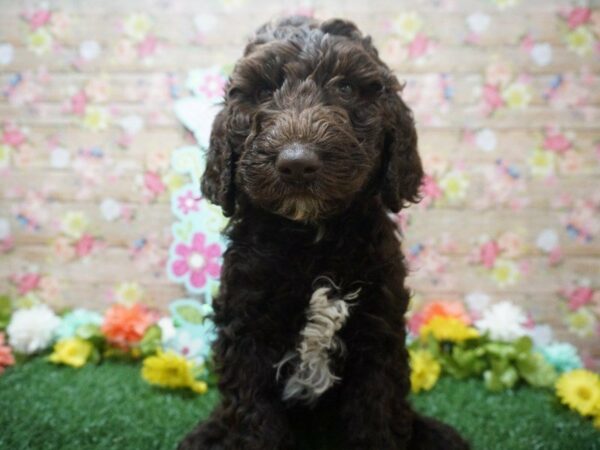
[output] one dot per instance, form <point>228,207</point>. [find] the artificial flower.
<point>74,320</point>
<point>129,293</point>
<point>562,356</point>
<point>171,371</point>
<point>448,329</point>
<point>125,325</point>
<point>579,389</point>
<point>425,370</point>
<point>438,308</point>
<point>6,356</point>
<point>32,330</point>
<point>582,322</point>
<point>503,321</point>
<point>73,352</point>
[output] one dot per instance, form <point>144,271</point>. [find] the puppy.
<point>312,150</point>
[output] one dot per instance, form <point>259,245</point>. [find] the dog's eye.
<point>264,93</point>
<point>345,88</point>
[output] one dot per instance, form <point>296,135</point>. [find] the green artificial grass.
<point>43,406</point>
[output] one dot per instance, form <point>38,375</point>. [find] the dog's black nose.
<point>297,162</point>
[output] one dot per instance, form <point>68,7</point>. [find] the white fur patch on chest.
<point>327,313</point>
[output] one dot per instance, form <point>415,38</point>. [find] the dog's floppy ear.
<point>402,169</point>
<point>217,180</point>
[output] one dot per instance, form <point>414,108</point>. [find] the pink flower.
<point>492,97</point>
<point>188,202</point>
<point>13,136</point>
<point>84,245</point>
<point>419,46</point>
<point>579,297</point>
<point>78,103</point>
<point>488,253</point>
<point>153,183</point>
<point>430,188</point>
<point>148,46</point>
<point>39,18</point>
<point>578,16</point>
<point>197,261</point>
<point>557,142</point>
<point>27,282</point>
<point>212,85</point>
<point>6,356</point>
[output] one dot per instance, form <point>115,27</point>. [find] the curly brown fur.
<point>322,86</point>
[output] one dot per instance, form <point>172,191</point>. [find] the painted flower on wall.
<point>47,29</point>
<point>194,263</point>
<point>577,31</point>
<point>501,258</point>
<point>407,34</point>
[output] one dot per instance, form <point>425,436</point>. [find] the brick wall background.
<point>506,95</point>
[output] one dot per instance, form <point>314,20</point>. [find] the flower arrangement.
<point>175,348</point>
<point>496,345</point>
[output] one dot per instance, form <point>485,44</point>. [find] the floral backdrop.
<point>106,105</point>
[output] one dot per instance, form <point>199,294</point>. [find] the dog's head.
<point>312,119</point>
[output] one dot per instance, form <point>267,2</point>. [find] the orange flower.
<point>6,356</point>
<point>439,308</point>
<point>125,325</point>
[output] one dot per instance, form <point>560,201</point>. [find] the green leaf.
<point>151,340</point>
<point>5,311</point>
<point>534,369</point>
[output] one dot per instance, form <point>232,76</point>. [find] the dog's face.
<point>311,120</point>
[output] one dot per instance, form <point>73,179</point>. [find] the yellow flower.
<point>73,352</point>
<point>407,25</point>
<point>454,184</point>
<point>74,224</point>
<point>425,370</point>
<point>505,272</point>
<point>517,96</point>
<point>137,26</point>
<point>96,118</point>
<point>39,41</point>
<point>580,41</point>
<point>4,156</point>
<point>579,389</point>
<point>129,293</point>
<point>542,162</point>
<point>174,181</point>
<point>171,370</point>
<point>446,328</point>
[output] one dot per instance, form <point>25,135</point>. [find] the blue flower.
<point>75,319</point>
<point>562,356</point>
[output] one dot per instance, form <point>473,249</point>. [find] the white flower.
<point>581,41</point>
<point>477,301</point>
<point>517,96</point>
<point>110,209</point>
<point>503,321</point>
<point>31,330</point>
<point>96,118</point>
<point>4,228</point>
<point>60,158</point>
<point>541,162</point>
<point>547,240</point>
<point>7,53</point>
<point>486,140</point>
<point>167,329</point>
<point>505,272</point>
<point>205,23</point>
<point>89,50</point>
<point>454,184</point>
<point>541,335</point>
<point>137,26</point>
<point>40,41</point>
<point>407,25</point>
<point>74,224</point>
<point>129,293</point>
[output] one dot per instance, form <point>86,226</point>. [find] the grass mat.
<point>43,406</point>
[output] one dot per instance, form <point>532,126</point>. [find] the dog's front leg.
<point>251,415</point>
<point>375,412</point>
